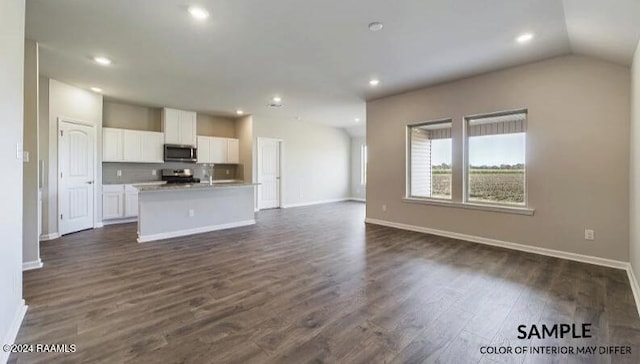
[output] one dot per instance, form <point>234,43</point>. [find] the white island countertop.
<point>189,186</point>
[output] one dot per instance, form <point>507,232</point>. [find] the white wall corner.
<point>35,264</point>
<point>10,336</point>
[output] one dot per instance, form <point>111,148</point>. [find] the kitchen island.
<point>172,210</point>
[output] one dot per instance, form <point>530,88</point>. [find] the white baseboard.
<point>358,199</point>
<point>34,264</point>
<point>635,288</point>
<point>47,237</point>
<point>99,225</point>
<point>119,221</point>
<point>288,206</point>
<point>205,229</point>
<point>10,336</point>
<point>504,244</point>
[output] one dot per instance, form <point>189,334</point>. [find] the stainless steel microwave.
<point>180,153</point>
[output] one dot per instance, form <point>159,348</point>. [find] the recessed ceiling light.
<point>357,120</point>
<point>198,12</point>
<point>524,38</point>
<point>374,82</point>
<point>277,99</point>
<point>375,26</point>
<point>239,112</point>
<point>96,89</point>
<point>102,60</point>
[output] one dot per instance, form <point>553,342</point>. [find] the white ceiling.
<point>318,55</point>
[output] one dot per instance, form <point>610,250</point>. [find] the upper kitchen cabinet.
<point>218,150</point>
<point>112,150</point>
<point>153,147</point>
<point>179,127</point>
<point>123,145</point>
<point>233,151</point>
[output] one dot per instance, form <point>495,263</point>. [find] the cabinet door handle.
<point>89,182</point>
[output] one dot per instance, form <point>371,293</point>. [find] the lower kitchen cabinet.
<point>119,202</point>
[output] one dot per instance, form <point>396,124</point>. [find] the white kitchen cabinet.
<point>132,145</point>
<point>123,145</point>
<point>130,201</point>
<point>204,154</point>
<point>112,142</point>
<point>112,202</point>
<point>218,150</point>
<point>119,201</point>
<point>179,126</point>
<point>188,128</point>
<point>233,151</point>
<point>152,147</point>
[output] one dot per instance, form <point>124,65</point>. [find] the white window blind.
<point>422,137</point>
<point>420,163</point>
<point>495,125</point>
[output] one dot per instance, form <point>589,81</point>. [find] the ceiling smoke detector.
<point>276,102</point>
<point>376,26</point>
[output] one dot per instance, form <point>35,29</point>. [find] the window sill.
<point>471,206</point>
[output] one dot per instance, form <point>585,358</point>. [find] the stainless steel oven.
<point>180,153</point>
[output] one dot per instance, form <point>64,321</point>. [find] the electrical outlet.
<point>589,234</point>
<point>192,213</point>
<point>154,172</point>
<point>25,156</point>
<point>384,208</point>
<point>119,173</point>
<point>227,171</point>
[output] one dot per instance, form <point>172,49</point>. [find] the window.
<point>363,164</point>
<point>495,167</point>
<point>430,160</point>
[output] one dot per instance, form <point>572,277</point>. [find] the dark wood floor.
<point>312,284</point>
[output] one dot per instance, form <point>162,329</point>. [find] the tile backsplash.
<point>143,172</point>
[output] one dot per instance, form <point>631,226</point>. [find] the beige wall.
<point>577,154</point>
<point>358,190</point>
<point>30,219</point>
<point>210,125</point>
<point>74,104</point>
<point>634,199</point>
<point>11,114</point>
<point>316,159</point>
<point>128,116</point>
<point>244,132</point>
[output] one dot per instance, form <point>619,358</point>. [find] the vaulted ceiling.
<point>318,55</point>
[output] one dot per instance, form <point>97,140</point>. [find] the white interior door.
<point>76,163</point>
<point>268,173</point>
